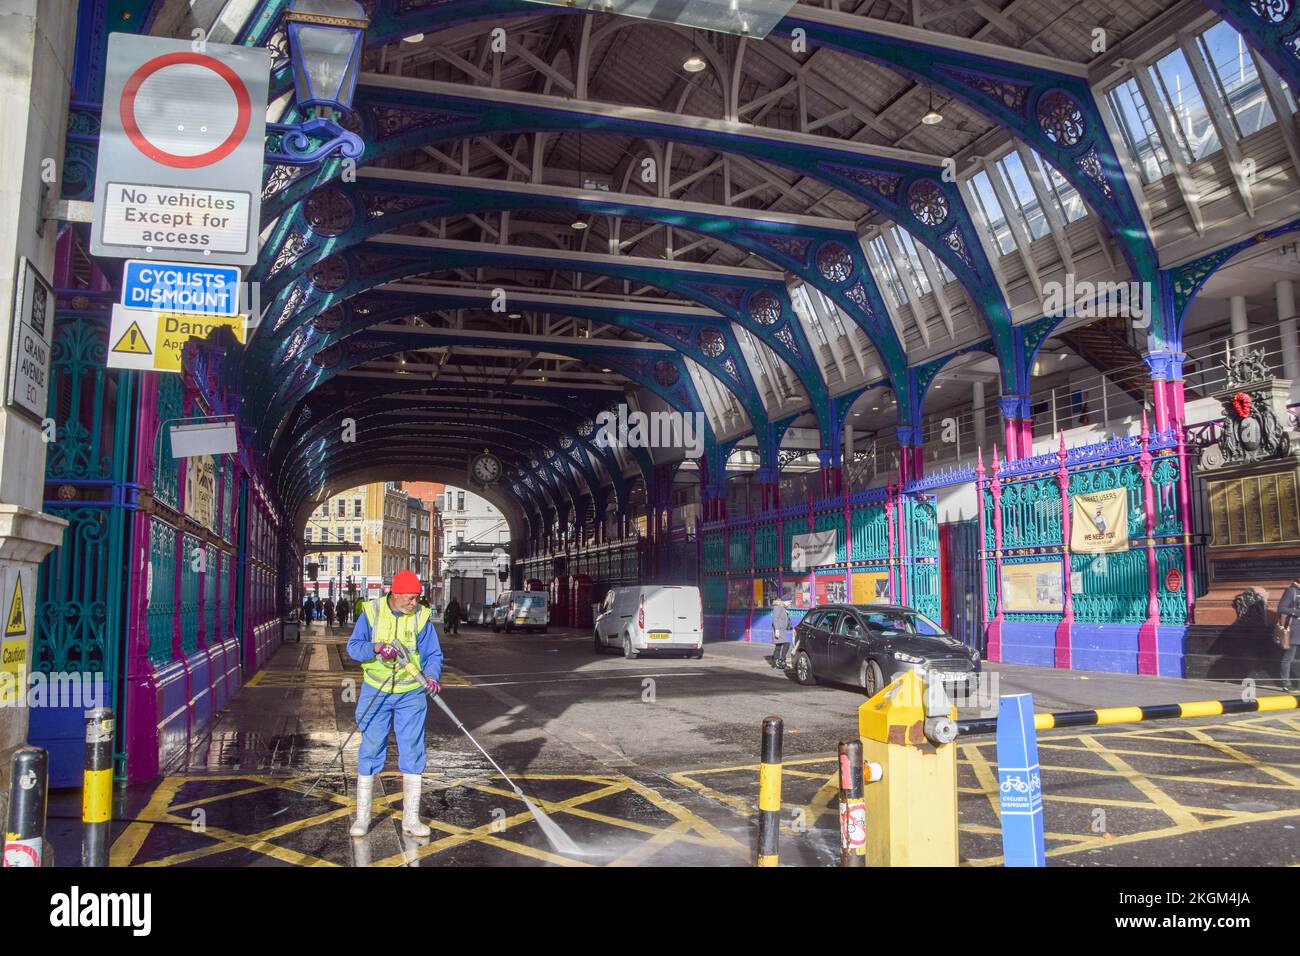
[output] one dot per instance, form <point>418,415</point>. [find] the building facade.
<point>361,541</point>
<point>475,534</point>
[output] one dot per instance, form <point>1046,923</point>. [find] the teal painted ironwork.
<point>162,590</point>
<point>1031,514</point>
<point>189,593</point>
<point>870,529</point>
<point>766,552</point>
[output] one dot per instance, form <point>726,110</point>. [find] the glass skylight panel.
<point>803,308</point>
<point>886,266</point>
<point>1233,69</point>
<point>1139,130</point>
<point>913,259</point>
<point>1022,193</point>
<point>995,220</point>
<point>1066,198</point>
<point>1173,77</point>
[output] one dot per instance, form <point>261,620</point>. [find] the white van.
<point>651,618</point>
<point>521,609</point>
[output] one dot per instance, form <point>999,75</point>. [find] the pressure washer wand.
<point>553,832</point>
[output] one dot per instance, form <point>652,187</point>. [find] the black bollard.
<point>97,788</point>
<point>853,807</point>
<point>25,831</point>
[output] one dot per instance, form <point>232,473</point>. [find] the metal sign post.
<point>181,148</point>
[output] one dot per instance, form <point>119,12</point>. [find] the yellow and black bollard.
<point>97,788</point>
<point>25,828</point>
<point>769,793</point>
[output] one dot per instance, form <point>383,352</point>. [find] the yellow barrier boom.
<point>1132,715</point>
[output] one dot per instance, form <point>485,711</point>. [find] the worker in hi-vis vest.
<point>401,702</point>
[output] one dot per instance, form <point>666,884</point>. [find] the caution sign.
<point>154,341</point>
<point>133,342</point>
<point>13,648</point>
<point>16,621</point>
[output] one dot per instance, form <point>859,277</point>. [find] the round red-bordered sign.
<point>243,101</point>
<point>1173,580</point>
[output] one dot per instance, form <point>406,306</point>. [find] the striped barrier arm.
<point>1131,715</point>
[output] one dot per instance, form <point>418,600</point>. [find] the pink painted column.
<point>1185,512</point>
<point>1064,637</point>
<point>848,546</point>
<point>993,640</point>
<point>749,620</point>
<point>983,550</point>
<point>903,513</point>
<point>141,692</point>
<point>893,552</point>
<point>1148,660</point>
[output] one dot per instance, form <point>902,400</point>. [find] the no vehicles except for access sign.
<point>181,150</point>
<point>162,218</point>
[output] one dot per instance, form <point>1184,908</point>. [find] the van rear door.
<point>686,613</point>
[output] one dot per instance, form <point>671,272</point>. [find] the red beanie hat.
<point>405,582</point>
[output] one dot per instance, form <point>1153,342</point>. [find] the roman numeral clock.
<point>485,468</point>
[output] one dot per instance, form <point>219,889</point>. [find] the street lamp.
<point>325,42</point>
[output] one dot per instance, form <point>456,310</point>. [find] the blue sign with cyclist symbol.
<point>1020,785</point>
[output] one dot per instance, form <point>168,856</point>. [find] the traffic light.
<point>312,569</point>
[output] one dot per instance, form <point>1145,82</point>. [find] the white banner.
<point>813,550</point>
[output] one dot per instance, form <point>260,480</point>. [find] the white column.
<point>1237,316</point>
<point>977,400</point>
<point>1290,340</point>
<point>34,83</point>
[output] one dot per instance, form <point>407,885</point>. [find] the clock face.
<point>486,469</point>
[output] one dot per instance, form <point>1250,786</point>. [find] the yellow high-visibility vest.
<point>387,628</point>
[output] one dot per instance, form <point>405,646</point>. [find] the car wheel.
<point>803,672</point>
<point>544,630</point>
<point>698,655</point>
<point>629,651</point>
<point>871,678</point>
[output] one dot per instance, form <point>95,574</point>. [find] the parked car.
<point>870,644</point>
<point>521,609</point>
<point>651,619</point>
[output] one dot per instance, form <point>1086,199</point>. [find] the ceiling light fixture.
<point>578,224</point>
<point>934,117</point>
<point>516,315</point>
<point>413,38</point>
<point>694,63</point>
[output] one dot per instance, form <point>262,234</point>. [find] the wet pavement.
<point>654,761</point>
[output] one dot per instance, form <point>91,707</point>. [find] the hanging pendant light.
<point>694,63</point>
<point>934,117</point>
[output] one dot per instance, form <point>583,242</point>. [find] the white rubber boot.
<point>365,793</point>
<point>411,824</point>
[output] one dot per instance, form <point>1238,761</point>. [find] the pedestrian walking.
<point>451,617</point>
<point>342,609</point>
<point>329,611</point>
<point>1287,629</point>
<point>392,696</point>
<point>308,609</point>
<point>780,633</point>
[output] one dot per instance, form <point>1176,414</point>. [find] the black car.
<point>869,644</point>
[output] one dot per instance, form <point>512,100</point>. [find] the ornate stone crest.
<point>1254,413</point>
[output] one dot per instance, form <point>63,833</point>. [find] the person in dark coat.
<point>307,610</point>
<point>328,608</point>
<point>451,617</point>
<point>780,632</point>
<point>341,610</point>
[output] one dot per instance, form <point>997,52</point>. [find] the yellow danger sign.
<point>16,622</point>
<point>154,341</point>
<point>133,342</point>
<point>174,330</point>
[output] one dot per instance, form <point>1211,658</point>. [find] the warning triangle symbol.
<point>16,623</point>
<point>133,342</point>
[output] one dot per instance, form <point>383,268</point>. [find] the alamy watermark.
<point>621,428</point>
<point>1099,300</point>
<point>62,689</point>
